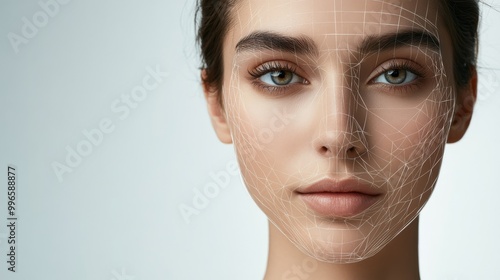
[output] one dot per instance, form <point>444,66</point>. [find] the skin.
<point>340,117</point>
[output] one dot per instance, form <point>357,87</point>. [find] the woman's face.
<point>339,112</point>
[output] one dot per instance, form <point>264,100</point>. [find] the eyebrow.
<point>416,38</point>
<point>266,40</point>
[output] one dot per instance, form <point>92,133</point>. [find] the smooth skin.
<point>340,110</point>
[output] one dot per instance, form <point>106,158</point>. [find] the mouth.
<point>342,199</point>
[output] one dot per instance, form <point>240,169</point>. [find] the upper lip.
<point>347,185</point>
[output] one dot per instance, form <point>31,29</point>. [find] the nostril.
<point>352,153</point>
<point>341,145</point>
<point>324,150</point>
<point>349,153</point>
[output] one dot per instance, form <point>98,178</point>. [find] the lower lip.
<point>342,205</point>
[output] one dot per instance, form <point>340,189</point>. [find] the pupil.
<point>281,77</point>
<point>396,76</point>
<point>394,73</point>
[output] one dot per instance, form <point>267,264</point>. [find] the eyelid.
<point>274,65</point>
<point>409,88</point>
<point>397,64</point>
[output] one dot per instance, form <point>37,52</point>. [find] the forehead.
<point>335,23</point>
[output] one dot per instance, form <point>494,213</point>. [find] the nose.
<point>340,144</point>
<point>340,134</point>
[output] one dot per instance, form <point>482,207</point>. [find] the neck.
<point>398,260</point>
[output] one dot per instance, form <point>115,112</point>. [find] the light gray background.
<point>116,214</point>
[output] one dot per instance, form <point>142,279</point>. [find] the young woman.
<point>339,112</point>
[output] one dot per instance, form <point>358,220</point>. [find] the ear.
<point>216,111</point>
<point>463,112</point>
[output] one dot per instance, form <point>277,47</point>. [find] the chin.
<point>340,253</point>
<point>341,241</point>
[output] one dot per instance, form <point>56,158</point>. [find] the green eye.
<point>281,78</point>
<point>396,77</point>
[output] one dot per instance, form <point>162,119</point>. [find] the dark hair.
<point>462,20</point>
<point>213,18</point>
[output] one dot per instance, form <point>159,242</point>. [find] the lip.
<point>344,198</point>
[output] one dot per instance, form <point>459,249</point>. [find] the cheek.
<point>261,135</point>
<point>408,144</point>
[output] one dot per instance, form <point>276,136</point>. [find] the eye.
<point>396,77</point>
<point>281,78</point>
<point>277,78</point>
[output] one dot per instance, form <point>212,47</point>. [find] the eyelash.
<point>400,65</point>
<point>266,68</point>
<point>269,67</point>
